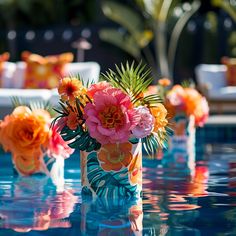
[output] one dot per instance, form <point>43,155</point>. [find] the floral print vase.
<point>51,167</point>
<point>114,171</point>
<point>180,153</point>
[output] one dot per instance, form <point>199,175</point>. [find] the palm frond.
<point>132,80</point>
<point>18,101</point>
<point>40,105</point>
<point>188,84</point>
<point>155,141</point>
<point>149,100</point>
<point>33,105</point>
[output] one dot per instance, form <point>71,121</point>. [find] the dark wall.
<point>198,42</point>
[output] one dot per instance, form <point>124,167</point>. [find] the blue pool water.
<point>172,203</point>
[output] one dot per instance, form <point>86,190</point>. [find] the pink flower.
<point>145,124</point>
<point>98,87</point>
<point>111,117</point>
<point>57,146</point>
<point>176,97</point>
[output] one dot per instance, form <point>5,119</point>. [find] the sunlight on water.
<point>172,204</point>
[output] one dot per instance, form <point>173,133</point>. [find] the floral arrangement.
<point>26,133</point>
<point>183,99</point>
<point>111,112</point>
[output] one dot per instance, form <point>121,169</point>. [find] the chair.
<point>211,80</point>
<point>14,80</point>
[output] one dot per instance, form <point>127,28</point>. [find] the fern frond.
<point>17,101</point>
<point>40,105</point>
<point>132,80</point>
<point>188,84</point>
<point>149,100</point>
<point>155,141</point>
<point>33,105</point>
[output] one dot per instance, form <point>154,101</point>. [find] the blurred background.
<point>171,36</point>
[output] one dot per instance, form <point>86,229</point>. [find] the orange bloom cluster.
<point>189,101</point>
<point>26,134</point>
<point>71,89</point>
<point>159,113</point>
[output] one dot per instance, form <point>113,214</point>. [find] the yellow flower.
<point>159,112</point>
<point>70,89</point>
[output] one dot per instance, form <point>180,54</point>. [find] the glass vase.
<point>51,167</point>
<point>114,171</point>
<point>179,157</point>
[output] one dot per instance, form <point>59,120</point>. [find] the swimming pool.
<point>172,204</point>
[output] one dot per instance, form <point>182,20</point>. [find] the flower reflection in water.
<point>170,203</point>
<point>112,217</point>
<point>34,204</point>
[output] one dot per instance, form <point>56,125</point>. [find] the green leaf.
<point>80,139</point>
<point>112,184</point>
<point>123,15</point>
<point>124,41</point>
<point>132,80</point>
<point>33,105</point>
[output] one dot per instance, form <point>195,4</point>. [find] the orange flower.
<point>159,112</point>
<point>24,131</point>
<point>164,82</point>
<point>114,156</point>
<point>73,120</point>
<point>70,88</point>
<point>135,169</point>
<point>196,105</point>
<point>189,101</point>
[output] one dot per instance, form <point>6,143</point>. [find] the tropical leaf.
<point>33,105</point>
<point>123,15</point>
<point>108,184</point>
<point>155,141</point>
<point>188,84</point>
<point>17,101</point>
<point>151,100</point>
<point>80,139</point>
<point>122,40</point>
<point>133,81</point>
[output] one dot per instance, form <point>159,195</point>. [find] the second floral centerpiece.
<point>187,109</point>
<point>110,122</point>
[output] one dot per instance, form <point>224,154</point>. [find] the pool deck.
<point>221,120</point>
<point>219,129</point>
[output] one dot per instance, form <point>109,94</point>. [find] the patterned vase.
<point>51,167</point>
<point>114,171</point>
<point>180,154</point>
